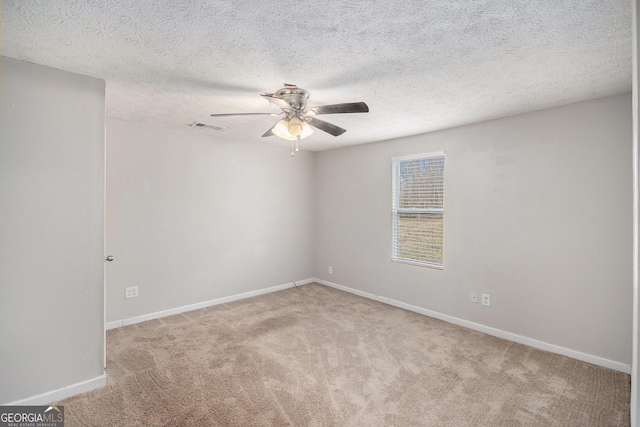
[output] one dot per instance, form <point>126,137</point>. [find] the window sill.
<point>418,264</point>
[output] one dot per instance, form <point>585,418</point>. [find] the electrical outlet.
<point>474,297</point>
<point>131,292</point>
<point>330,270</point>
<point>486,300</point>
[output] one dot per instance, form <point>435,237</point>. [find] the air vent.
<point>206,126</point>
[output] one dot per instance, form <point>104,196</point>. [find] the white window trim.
<point>417,156</point>
<point>395,177</point>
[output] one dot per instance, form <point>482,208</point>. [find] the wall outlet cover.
<point>131,292</point>
<point>486,300</point>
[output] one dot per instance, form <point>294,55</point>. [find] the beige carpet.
<point>315,356</point>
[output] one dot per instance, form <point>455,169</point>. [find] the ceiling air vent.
<point>206,126</point>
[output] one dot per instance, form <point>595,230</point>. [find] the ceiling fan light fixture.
<point>283,129</point>
<point>295,126</point>
<point>305,130</point>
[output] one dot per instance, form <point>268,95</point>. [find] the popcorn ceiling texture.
<point>420,65</point>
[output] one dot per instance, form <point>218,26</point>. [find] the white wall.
<point>537,214</point>
<point>193,217</point>
<point>51,229</point>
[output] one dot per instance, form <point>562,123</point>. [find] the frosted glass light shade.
<point>282,130</point>
<point>306,130</point>
<point>295,126</point>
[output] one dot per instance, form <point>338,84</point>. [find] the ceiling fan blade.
<point>278,101</point>
<point>245,114</point>
<point>325,126</point>
<point>270,131</point>
<point>349,107</point>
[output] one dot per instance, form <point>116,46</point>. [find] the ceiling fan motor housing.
<point>294,96</point>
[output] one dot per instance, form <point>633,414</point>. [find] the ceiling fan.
<point>299,119</point>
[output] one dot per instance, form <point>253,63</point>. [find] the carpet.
<point>316,356</point>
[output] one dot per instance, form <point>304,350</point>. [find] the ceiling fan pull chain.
<point>297,140</point>
<point>291,148</point>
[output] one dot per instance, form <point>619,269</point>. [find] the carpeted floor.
<point>316,356</point>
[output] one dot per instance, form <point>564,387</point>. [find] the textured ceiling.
<point>419,65</point>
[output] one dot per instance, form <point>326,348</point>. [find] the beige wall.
<point>537,214</point>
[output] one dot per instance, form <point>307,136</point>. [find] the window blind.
<point>418,209</point>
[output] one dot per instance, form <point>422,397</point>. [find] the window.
<point>418,209</point>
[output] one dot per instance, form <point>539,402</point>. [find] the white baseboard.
<point>595,360</point>
<point>196,306</point>
<point>62,393</point>
<point>113,325</point>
